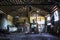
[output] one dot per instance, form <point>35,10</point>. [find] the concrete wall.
<point>9,20</point>
<point>21,19</point>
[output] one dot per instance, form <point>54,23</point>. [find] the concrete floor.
<point>20,36</point>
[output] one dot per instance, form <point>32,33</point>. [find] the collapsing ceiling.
<point>20,10</point>
<point>23,7</point>
<point>12,2</point>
